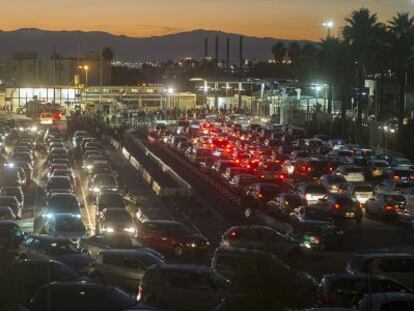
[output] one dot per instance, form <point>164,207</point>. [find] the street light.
<point>86,68</point>
<point>328,25</point>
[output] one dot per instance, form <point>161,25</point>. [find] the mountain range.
<point>156,48</point>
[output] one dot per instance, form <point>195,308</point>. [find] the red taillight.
<point>282,176</point>
<point>389,207</point>
<point>412,177</point>
<point>336,206</point>
<point>316,240</point>
<point>233,234</point>
<point>360,205</point>
<point>330,168</point>
<point>309,168</point>
<point>396,177</point>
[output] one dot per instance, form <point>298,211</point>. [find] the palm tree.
<point>401,28</point>
<point>362,33</point>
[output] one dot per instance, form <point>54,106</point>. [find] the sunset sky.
<point>289,19</point>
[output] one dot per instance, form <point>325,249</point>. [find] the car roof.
<point>382,255</point>
<point>181,267</point>
<point>126,252</point>
<point>46,237</point>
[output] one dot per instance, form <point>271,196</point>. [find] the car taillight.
<point>396,177</point>
<point>336,206</point>
<point>281,176</point>
<point>360,206</point>
<point>389,207</point>
<point>233,234</point>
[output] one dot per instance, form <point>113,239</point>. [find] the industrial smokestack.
<point>228,54</point>
<point>217,50</point>
<point>241,54</point>
<point>205,47</point>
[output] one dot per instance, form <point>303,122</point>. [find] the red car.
<point>173,238</point>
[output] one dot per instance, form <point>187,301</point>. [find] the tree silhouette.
<point>279,51</point>
<point>108,54</point>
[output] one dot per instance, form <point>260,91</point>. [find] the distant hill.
<point>158,48</point>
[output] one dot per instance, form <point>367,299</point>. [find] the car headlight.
<point>108,229</point>
<point>308,196</point>
<point>130,229</point>
<point>78,216</point>
<point>114,189</point>
<point>21,129</point>
<point>96,189</point>
<point>49,215</point>
<point>193,245</point>
<point>11,164</point>
<point>89,166</point>
<point>33,129</point>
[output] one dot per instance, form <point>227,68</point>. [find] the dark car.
<point>14,192</point>
<point>59,182</point>
<point>13,203</point>
<point>62,203</point>
<point>116,220</point>
<point>282,205</point>
<point>11,235</point>
<point>314,228</point>
<point>386,205</point>
<point>172,237</point>
<point>33,274</point>
<point>103,182</point>
<point>82,296</point>
<point>346,290</point>
<point>109,200</point>
<point>94,244</point>
<point>259,280</point>
<point>259,194</point>
<point>182,287</point>
<point>123,268</point>
<point>45,247</point>
<point>342,207</point>
<point>265,239</point>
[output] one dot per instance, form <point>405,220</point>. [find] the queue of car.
<point>313,187</point>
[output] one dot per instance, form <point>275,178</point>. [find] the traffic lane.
<point>139,193</point>
<point>82,192</point>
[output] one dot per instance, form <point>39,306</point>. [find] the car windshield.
<point>60,183</point>
<point>69,224</point>
<point>363,188</point>
<point>176,229</point>
<point>105,179</point>
<point>346,201</point>
<point>315,189</point>
<point>63,203</point>
<point>119,216</point>
<point>57,248</point>
<point>110,200</point>
<point>335,179</point>
<point>122,242</point>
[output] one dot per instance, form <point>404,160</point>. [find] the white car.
<point>351,173</point>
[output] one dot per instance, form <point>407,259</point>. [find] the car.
<point>393,185</point>
<point>109,200</point>
<point>332,182</point>
<point>284,204</point>
<point>59,183</point>
<point>361,191</point>
<point>387,301</point>
<point>342,207</point>
<point>376,168</point>
<point>33,274</point>
<point>116,220</point>
<point>265,239</point>
<point>386,205</point>
<point>351,173</point>
<point>94,244</point>
<point>122,268</point>
<point>103,182</point>
<point>66,203</point>
<point>230,172</point>
<point>65,173</point>
<point>242,181</point>
<point>259,194</point>
<point>399,173</point>
<point>172,237</point>
<point>313,227</point>
<point>311,168</point>
<point>402,162</point>
<point>65,225</point>
<point>11,235</point>
<point>14,192</point>
<point>13,203</point>
<point>78,136</point>
<point>46,247</point>
<point>12,177</point>
<point>182,287</point>
<point>346,290</point>
<point>69,296</point>
<point>312,192</point>
<point>398,266</point>
<point>260,280</point>
<point>6,213</point>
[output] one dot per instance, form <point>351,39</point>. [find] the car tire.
<point>178,250</point>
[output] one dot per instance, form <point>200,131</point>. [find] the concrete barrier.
<point>185,188</point>
<point>146,176</point>
<point>163,191</point>
<point>126,153</point>
<point>135,163</point>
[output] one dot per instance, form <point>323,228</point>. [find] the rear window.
<point>397,265</point>
<point>315,189</point>
<point>363,188</point>
<point>354,170</point>
<point>345,154</point>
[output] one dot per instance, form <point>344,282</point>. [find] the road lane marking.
<point>86,205</point>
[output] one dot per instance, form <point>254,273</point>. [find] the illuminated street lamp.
<point>328,25</point>
<point>86,68</point>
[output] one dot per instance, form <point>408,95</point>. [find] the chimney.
<point>217,50</point>
<point>205,47</point>
<point>241,55</point>
<point>228,54</point>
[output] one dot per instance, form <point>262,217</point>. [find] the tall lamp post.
<point>86,68</point>
<point>328,25</point>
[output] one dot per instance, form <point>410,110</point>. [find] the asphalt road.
<point>207,213</point>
